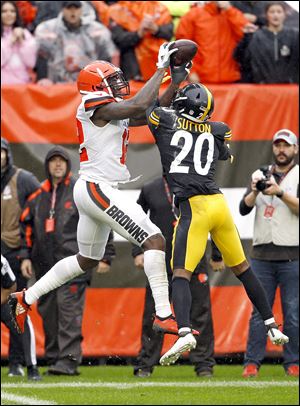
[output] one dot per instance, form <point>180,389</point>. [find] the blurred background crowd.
<point>240,41</point>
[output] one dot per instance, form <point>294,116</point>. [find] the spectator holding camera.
<point>274,191</point>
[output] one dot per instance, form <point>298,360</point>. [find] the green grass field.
<point>178,385</point>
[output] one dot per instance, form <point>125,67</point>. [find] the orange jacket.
<point>27,11</point>
<point>102,9</point>
<point>129,15</point>
<point>217,33</point>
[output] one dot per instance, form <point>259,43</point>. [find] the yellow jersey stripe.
<point>154,115</point>
<point>228,135</point>
<point>154,118</point>
<point>156,123</point>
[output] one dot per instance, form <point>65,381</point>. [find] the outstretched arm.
<point>132,107</point>
<point>178,75</point>
<point>138,105</point>
<point>164,101</point>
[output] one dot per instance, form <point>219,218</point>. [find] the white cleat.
<point>186,343</point>
<point>276,336</point>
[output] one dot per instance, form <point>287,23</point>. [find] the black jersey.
<point>188,151</point>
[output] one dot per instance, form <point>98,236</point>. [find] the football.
<point>187,49</point>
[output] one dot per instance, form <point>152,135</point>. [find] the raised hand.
<point>164,54</point>
<point>180,73</point>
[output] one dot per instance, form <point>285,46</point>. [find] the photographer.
<point>274,191</point>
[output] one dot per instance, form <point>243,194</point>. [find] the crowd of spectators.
<point>49,42</point>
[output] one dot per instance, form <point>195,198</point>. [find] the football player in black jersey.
<point>189,145</point>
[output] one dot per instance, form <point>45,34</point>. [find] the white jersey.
<point>102,149</point>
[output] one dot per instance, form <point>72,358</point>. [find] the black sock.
<point>182,301</point>
<point>256,293</point>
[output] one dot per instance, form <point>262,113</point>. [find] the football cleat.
<point>33,373</point>
<point>142,373</point>
<point>18,310</point>
<point>275,335</point>
<point>185,343</point>
<point>250,371</point>
<point>168,325</point>
<point>293,370</point>
<point>16,370</point>
<point>205,373</point>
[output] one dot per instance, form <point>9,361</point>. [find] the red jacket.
<point>217,33</point>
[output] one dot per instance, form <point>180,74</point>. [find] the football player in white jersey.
<point>103,118</point>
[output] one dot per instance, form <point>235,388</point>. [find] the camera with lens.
<point>262,184</point>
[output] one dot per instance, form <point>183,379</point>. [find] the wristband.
<point>280,194</point>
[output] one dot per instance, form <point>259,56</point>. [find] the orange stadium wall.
<point>113,318</point>
<point>37,114</point>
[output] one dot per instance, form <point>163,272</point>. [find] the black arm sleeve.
<point>224,153</point>
<point>244,209</point>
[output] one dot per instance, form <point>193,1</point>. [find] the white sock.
<point>63,271</point>
<point>155,270</point>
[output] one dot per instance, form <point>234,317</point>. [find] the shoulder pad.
<point>221,129</point>
<point>154,116</point>
<point>95,99</point>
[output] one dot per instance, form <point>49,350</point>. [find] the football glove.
<point>164,54</point>
<point>275,335</point>
<point>180,73</point>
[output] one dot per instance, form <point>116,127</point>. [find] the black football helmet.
<point>195,102</point>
